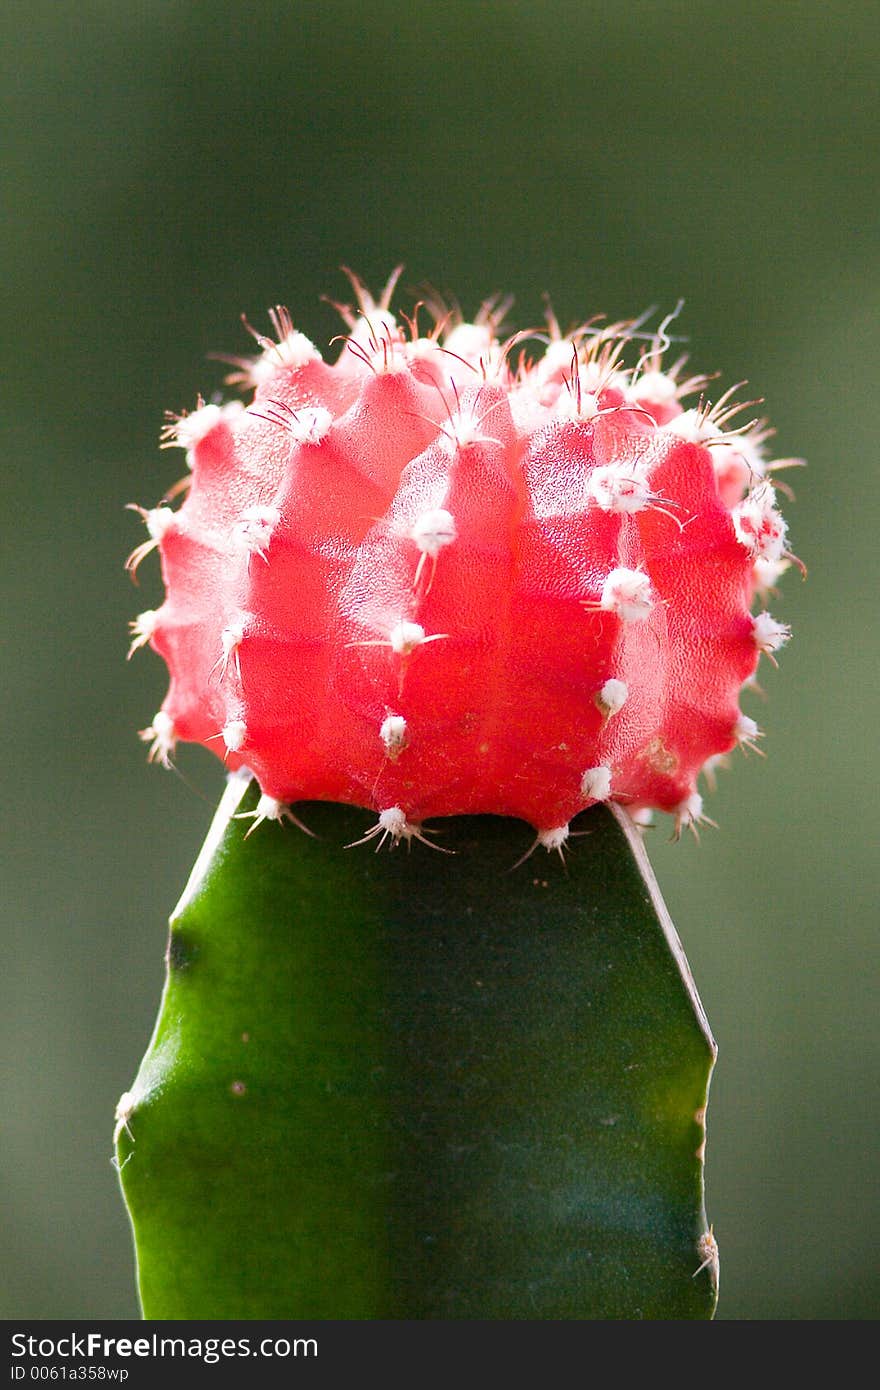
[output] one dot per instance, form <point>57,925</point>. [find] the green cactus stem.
<point>421,1085</point>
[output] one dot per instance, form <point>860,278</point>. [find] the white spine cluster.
<point>142,629</point>
<point>231,639</point>
<point>294,350</point>
<point>159,522</point>
<point>612,697</point>
<point>188,430</point>
<point>162,738</point>
<point>393,824</point>
<point>433,531</point>
<point>404,637</point>
<point>253,531</point>
<point>393,733</point>
<point>627,593</point>
<point>747,733</point>
<point>596,784</point>
<point>759,526</point>
<point>308,424</point>
<point>619,487</point>
<point>235,735</point>
<point>769,635</point>
<point>554,839</point>
<point>689,814</point>
<point>655,387</point>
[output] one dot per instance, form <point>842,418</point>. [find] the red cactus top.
<point>428,580</point>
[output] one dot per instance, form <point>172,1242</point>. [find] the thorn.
<point>268,808</point>
<point>162,737</point>
<point>393,824</point>
<point>431,533</point>
<point>142,629</point>
<point>231,639</point>
<point>307,425</point>
<point>707,1249</point>
<point>689,815</point>
<point>769,635</point>
<point>746,732</point>
<point>403,639</point>
<point>159,521</point>
<point>253,531</point>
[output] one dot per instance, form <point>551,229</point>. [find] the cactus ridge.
<point>445,576</point>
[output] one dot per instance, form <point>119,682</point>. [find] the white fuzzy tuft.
<point>576,405</point>
<point>235,735</point>
<point>596,784</point>
<point>473,342</point>
<point>295,350</point>
<point>553,839</point>
<point>619,487</point>
<point>253,531</point>
<point>767,574</point>
<point>691,425</point>
<point>612,697</point>
<point>393,824</point>
<point>309,424</point>
<point>745,729</point>
<point>394,821</point>
<point>559,360</point>
<point>122,1114</point>
<point>433,530</point>
<point>392,732</point>
<point>187,431</point>
<point>655,387</point>
<point>231,637</point>
<point>405,637</point>
<point>162,738</point>
<point>740,451</point>
<point>758,525</point>
<point>628,594</point>
<point>769,635</point>
<point>268,808</point>
<point>747,733</point>
<point>142,629</point>
<point>464,428</point>
<point>159,522</point>
<point>688,814</point>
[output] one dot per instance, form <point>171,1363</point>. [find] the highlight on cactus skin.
<point>456,574</point>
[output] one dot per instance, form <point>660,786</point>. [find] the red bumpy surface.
<point>428,580</point>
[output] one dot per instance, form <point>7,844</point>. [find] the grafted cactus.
<point>443,581</point>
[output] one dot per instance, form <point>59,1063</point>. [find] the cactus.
<point>427,581</point>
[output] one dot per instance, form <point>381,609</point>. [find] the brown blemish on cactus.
<point>181,952</point>
<point>660,758</point>
<point>238,1088</point>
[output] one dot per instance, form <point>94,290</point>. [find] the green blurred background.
<point>169,165</point>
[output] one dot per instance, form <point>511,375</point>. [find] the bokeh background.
<point>170,165</point>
